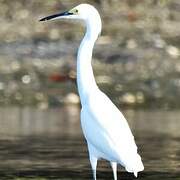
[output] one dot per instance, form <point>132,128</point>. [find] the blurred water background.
<point>48,144</point>
<point>136,62</point>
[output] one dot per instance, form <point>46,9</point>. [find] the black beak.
<point>56,15</point>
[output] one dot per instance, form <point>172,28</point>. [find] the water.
<point>48,144</point>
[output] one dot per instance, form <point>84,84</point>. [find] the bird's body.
<point>108,135</point>
<point>106,130</point>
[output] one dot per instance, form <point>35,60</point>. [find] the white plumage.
<point>105,128</point>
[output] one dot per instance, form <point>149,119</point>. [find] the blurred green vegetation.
<point>136,60</point>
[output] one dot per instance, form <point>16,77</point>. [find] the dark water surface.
<point>48,144</point>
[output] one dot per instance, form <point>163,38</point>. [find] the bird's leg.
<point>93,161</point>
<point>114,168</point>
<point>94,174</point>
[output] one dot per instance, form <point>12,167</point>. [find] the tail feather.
<point>134,165</point>
<point>136,174</point>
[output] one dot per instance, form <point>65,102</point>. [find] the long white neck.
<point>85,77</point>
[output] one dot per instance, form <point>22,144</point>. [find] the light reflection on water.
<point>27,121</point>
<point>49,143</point>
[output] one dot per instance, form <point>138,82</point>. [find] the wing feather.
<point>105,127</point>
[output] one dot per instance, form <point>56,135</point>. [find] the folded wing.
<point>107,130</point>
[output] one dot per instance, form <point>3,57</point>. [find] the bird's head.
<point>83,12</point>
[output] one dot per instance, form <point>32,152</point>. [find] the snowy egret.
<point>105,128</point>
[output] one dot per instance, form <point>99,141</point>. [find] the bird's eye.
<point>76,11</point>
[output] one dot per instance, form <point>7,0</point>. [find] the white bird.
<point>105,128</point>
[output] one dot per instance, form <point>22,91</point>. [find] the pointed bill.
<point>55,16</point>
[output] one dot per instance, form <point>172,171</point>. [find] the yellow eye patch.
<point>74,11</point>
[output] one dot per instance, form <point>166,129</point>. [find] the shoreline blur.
<point>135,61</point>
